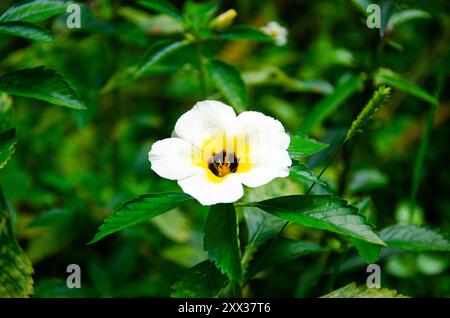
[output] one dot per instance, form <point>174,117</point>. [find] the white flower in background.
<point>213,152</point>
<point>277,32</point>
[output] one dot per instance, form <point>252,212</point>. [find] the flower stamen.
<point>223,163</point>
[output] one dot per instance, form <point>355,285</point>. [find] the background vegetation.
<point>72,167</point>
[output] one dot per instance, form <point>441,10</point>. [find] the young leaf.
<point>347,87</point>
<point>387,8</point>
<point>280,251</point>
<point>162,6</point>
<point>203,280</point>
<point>156,53</point>
<point>407,15</point>
<point>228,81</point>
<point>379,98</point>
<point>415,238</point>
<point>43,84</point>
<point>321,212</point>
<point>302,146</point>
<point>354,291</point>
<point>369,252</point>
<point>388,77</point>
<point>140,210</point>
<point>301,172</point>
<point>26,31</point>
<point>244,32</point>
<point>16,269</point>
<point>7,143</point>
<point>198,14</point>
<point>221,240</point>
<point>34,11</point>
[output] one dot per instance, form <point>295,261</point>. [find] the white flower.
<point>277,32</point>
<point>213,152</point>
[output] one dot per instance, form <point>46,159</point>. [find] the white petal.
<point>274,163</point>
<point>171,158</point>
<point>207,118</point>
<point>262,131</point>
<point>208,192</point>
<point>267,144</point>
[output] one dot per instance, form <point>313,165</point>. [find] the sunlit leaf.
<point>369,252</point>
<point>388,77</point>
<point>140,210</point>
<point>43,84</point>
<point>228,81</point>
<point>415,238</point>
<point>244,32</point>
<point>321,212</point>
<point>354,291</point>
<point>162,6</point>
<point>7,143</point>
<point>27,31</point>
<point>302,146</point>
<point>221,240</point>
<point>301,172</point>
<point>34,11</point>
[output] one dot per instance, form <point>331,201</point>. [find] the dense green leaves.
<point>354,291</point>
<point>162,6</point>
<point>302,146</point>
<point>15,269</point>
<point>321,212</point>
<point>229,82</point>
<point>415,238</point>
<point>26,30</point>
<point>140,210</point>
<point>202,280</point>
<point>34,11</point>
<point>279,251</point>
<point>221,240</point>
<point>155,54</point>
<point>7,143</point>
<point>388,77</point>
<point>345,88</point>
<point>43,84</point>
<point>243,32</point>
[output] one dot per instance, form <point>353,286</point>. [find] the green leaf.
<point>388,77</point>
<point>16,269</point>
<point>321,212</point>
<point>415,238</point>
<point>203,280</point>
<point>379,98</point>
<point>408,15</point>
<point>328,106</point>
<point>301,172</point>
<point>27,31</point>
<point>34,11</point>
<point>198,14</point>
<point>156,53</point>
<point>164,7</point>
<point>387,8</point>
<point>221,240</point>
<point>5,111</point>
<point>280,251</point>
<point>369,252</point>
<point>365,180</point>
<point>228,81</point>
<point>244,32</point>
<point>43,84</point>
<point>140,210</point>
<point>302,146</point>
<point>7,143</point>
<point>353,291</point>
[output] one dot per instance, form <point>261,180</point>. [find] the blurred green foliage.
<point>71,168</point>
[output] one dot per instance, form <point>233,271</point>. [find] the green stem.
<point>201,70</point>
<point>420,159</point>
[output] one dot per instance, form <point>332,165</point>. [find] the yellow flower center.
<point>222,155</point>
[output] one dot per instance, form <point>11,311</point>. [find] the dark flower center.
<point>223,163</point>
